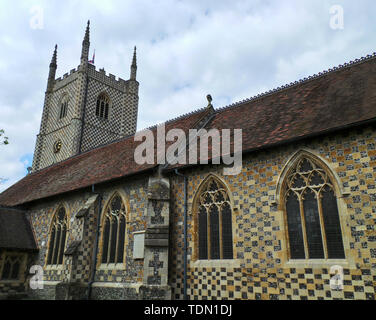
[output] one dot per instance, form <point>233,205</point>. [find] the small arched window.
<point>63,107</point>
<point>313,222</point>
<point>113,231</point>
<point>12,265</point>
<point>103,105</point>
<point>58,235</point>
<point>214,221</point>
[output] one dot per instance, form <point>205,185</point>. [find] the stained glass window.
<point>214,222</point>
<point>314,228</point>
<point>114,227</point>
<point>295,227</point>
<point>58,235</point>
<point>332,224</point>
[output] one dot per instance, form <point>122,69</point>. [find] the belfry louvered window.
<point>314,229</point>
<point>103,105</point>
<point>58,236</point>
<point>114,225</point>
<point>214,222</point>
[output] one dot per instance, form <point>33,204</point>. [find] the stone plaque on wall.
<point>138,245</point>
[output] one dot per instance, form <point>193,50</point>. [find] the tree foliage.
<point>3,138</point>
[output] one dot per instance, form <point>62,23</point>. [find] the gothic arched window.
<point>313,222</point>
<point>103,105</point>
<point>113,231</point>
<point>58,235</point>
<point>214,221</point>
<point>12,267</point>
<point>63,107</point>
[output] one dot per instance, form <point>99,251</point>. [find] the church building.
<point>296,223</point>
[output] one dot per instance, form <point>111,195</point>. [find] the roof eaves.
<point>87,186</point>
<point>283,142</point>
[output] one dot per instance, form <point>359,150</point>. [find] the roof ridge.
<point>175,119</point>
<point>300,81</point>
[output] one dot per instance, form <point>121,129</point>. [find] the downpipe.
<point>94,259</point>
<point>185,250</point>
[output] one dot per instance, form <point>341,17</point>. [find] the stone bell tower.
<point>84,109</point>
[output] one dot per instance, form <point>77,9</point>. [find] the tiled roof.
<point>15,230</point>
<point>341,97</point>
<point>102,164</point>
<point>332,100</point>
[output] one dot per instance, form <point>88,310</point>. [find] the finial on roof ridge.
<point>210,99</point>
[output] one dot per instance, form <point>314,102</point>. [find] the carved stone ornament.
<point>57,146</point>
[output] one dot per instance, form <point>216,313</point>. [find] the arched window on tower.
<point>314,229</point>
<point>63,107</point>
<point>103,106</point>
<point>113,231</point>
<point>58,235</point>
<point>214,218</point>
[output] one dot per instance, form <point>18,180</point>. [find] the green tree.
<point>3,139</point>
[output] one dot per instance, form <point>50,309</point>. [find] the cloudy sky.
<point>185,50</point>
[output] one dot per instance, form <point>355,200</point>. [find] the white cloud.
<point>186,49</point>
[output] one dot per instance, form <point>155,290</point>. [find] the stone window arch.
<point>103,106</point>
<point>309,201</point>
<point>114,221</point>
<point>64,106</point>
<point>213,211</point>
<point>57,237</point>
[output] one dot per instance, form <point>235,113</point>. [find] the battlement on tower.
<point>99,75</point>
<point>108,79</point>
<point>66,79</point>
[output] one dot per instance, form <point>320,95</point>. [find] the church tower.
<point>84,109</point>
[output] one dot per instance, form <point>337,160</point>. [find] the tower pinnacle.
<point>86,45</point>
<point>52,72</point>
<point>87,32</point>
<point>134,65</point>
<point>54,57</point>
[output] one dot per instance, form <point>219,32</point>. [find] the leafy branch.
<point>3,138</point>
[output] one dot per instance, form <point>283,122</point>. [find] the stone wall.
<point>16,288</point>
<point>53,128</point>
<point>120,120</point>
<point>82,87</point>
<point>261,268</point>
<point>125,281</point>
